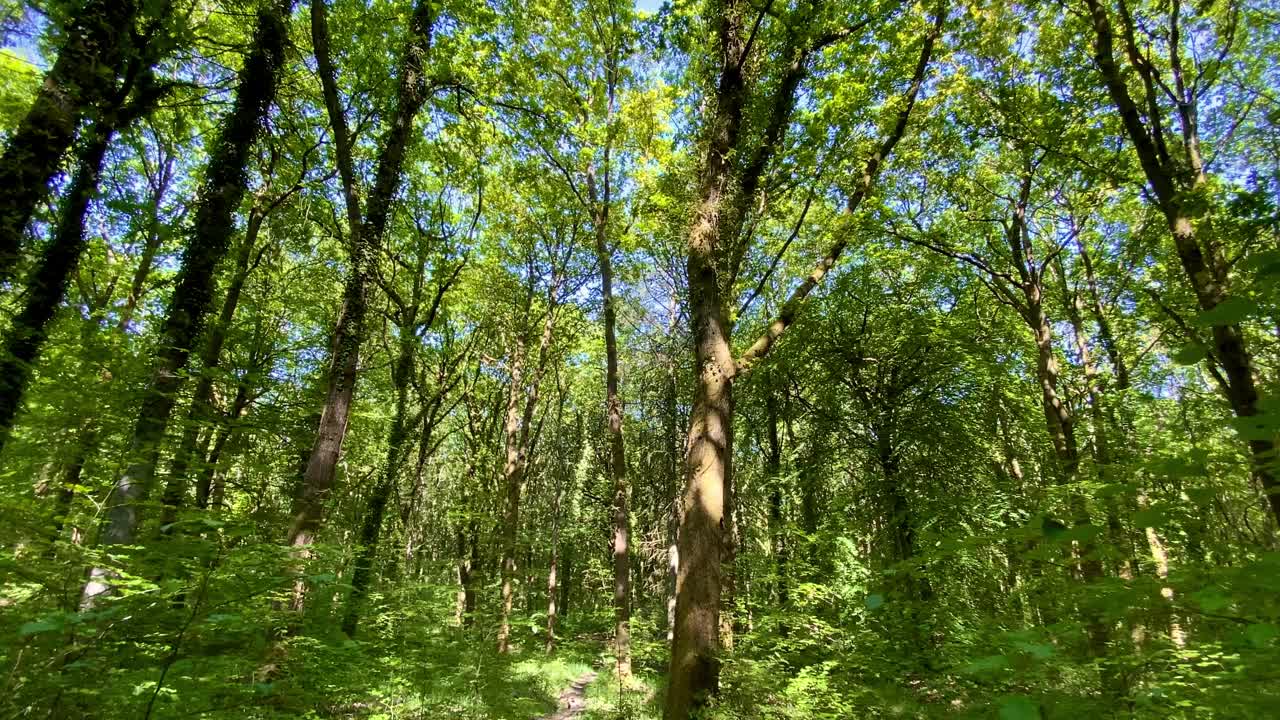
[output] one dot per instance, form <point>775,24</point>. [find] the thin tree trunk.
<point>201,411</point>
<point>365,238</point>
<point>224,187</point>
<point>617,445</point>
<point>151,246</point>
<point>1059,419</point>
<point>777,517</point>
<point>401,372</point>
<point>1199,252</point>
<point>674,464</point>
<point>207,492</point>
<point>517,434</point>
<point>553,581</point>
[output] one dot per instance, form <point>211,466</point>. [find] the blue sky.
<point>648,5</point>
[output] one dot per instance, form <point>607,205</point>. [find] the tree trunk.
<point>517,433</point>
<point>617,446</point>
<point>97,45</point>
<point>777,516</point>
<point>138,285</point>
<point>553,581</point>
<point>224,187</point>
<point>365,239</point>
<point>513,478</point>
<point>48,282</point>
<point>566,585</point>
<point>208,494</point>
<point>694,672</point>
<point>1199,252</point>
<point>1059,419</point>
<point>674,460</point>
<point>401,371</point>
<point>201,412</point>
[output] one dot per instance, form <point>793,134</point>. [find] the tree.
<point>224,187</point>
<point>365,227</point>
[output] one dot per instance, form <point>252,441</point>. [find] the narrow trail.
<point>574,699</point>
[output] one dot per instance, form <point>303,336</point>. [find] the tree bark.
<point>220,196</point>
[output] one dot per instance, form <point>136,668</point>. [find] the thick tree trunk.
<point>705,540</point>
<point>224,187</point>
<point>48,283</point>
<point>694,673</point>
<point>97,46</point>
<point>694,660</point>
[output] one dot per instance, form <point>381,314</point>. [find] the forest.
<point>596,359</point>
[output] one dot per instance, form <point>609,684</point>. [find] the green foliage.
<point>998,466</point>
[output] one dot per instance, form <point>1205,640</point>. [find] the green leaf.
<point>1265,262</point>
<point>1052,529</point>
<point>1189,355</point>
<point>990,663</point>
<point>38,626</point>
<point>1210,599</point>
<point>1257,427</point>
<point>874,601</point>
<point>1228,312</point>
<point>1149,517</point>
<point>1019,707</point>
<point>1039,651</point>
<point>1260,634</point>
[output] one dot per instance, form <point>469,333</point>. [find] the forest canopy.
<point>753,359</point>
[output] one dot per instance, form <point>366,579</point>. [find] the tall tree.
<point>1178,179</point>
<point>224,187</point>
<point>366,225</point>
<point>723,194</point>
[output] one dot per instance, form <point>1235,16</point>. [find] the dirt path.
<point>574,699</point>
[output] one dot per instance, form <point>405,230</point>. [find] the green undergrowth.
<point>157,653</point>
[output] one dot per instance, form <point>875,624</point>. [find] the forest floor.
<point>573,701</point>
